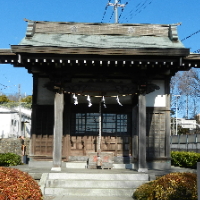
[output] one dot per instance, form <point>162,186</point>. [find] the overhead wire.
<point>197,51</point>
<point>139,8</point>
<point>122,10</point>
<point>111,16</point>
<point>105,11</point>
<point>4,86</point>
<point>190,35</point>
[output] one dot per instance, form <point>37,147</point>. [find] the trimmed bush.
<point>10,159</point>
<point>15,184</point>
<point>185,159</point>
<point>173,186</point>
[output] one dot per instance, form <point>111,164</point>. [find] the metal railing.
<point>185,142</point>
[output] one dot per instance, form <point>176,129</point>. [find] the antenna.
<point>116,5</point>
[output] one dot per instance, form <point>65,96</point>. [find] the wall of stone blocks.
<point>13,145</point>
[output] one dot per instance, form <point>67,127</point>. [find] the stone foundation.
<point>13,145</point>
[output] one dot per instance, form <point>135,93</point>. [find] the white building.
<point>187,123</point>
<point>10,119</point>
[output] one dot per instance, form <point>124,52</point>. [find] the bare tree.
<point>187,84</point>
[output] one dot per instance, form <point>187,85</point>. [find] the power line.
<point>197,51</point>
<point>190,35</point>
<point>122,11</point>
<point>111,16</point>
<point>4,86</point>
<point>138,9</point>
<point>105,11</point>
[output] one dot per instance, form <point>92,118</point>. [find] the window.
<point>112,124</point>
<point>115,123</point>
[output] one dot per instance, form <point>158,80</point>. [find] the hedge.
<point>10,159</point>
<point>185,159</point>
<point>173,186</point>
<point>18,185</point>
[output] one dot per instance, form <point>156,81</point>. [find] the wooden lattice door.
<point>115,134</point>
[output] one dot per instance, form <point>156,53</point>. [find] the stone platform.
<point>83,183</point>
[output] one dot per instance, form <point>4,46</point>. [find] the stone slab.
<point>44,164</point>
<point>123,166</point>
<point>76,165</point>
<point>93,184</point>
<point>89,192</point>
<point>86,176</point>
<point>63,197</point>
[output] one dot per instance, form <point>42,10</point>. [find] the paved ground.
<point>36,173</point>
<point>156,172</point>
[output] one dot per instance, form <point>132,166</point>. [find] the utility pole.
<point>176,112</point>
<point>116,5</point>
<point>187,106</point>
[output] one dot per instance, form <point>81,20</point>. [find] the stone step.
<point>83,165</point>
<point>99,176</point>
<point>67,197</point>
<point>93,184</point>
<point>89,192</point>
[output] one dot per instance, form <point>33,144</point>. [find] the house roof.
<point>24,111</point>
<point>80,35</point>
<point>94,43</point>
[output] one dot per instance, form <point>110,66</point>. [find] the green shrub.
<point>185,159</point>
<point>10,159</point>
<point>173,186</point>
<point>18,185</point>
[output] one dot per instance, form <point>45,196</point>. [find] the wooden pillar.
<point>167,118</point>
<point>58,131</point>
<point>135,128</point>
<point>34,117</point>
<point>66,126</point>
<point>142,167</point>
<point>100,130</point>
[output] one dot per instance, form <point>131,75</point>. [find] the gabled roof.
<point>101,39</point>
<point>59,34</point>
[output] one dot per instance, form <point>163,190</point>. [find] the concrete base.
<point>56,169</point>
<point>143,170</point>
<point>161,165</point>
<point>76,165</point>
<point>42,164</point>
<point>123,166</point>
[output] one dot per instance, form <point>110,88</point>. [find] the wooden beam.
<point>101,51</point>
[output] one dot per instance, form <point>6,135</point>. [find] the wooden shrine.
<point>101,88</point>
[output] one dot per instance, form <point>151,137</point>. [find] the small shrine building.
<point>101,88</point>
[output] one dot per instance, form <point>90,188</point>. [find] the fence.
<point>185,143</point>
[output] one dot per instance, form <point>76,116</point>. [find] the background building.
<point>10,120</point>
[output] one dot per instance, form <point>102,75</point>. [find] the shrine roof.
<point>105,36</point>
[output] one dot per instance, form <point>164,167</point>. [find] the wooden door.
<point>82,145</point>
<point>115,134</point>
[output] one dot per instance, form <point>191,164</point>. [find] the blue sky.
<point>13,27</point>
